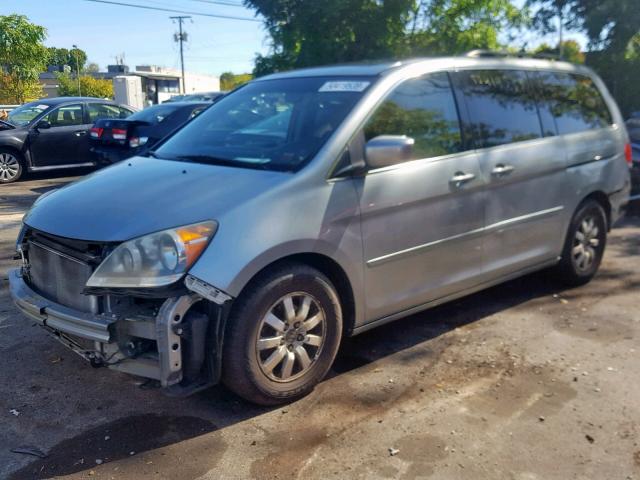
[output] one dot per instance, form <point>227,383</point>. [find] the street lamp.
<point>77,54</point>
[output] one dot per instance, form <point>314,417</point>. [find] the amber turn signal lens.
<point>195,239</point>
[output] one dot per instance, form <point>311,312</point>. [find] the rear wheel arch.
<point>603,199</point>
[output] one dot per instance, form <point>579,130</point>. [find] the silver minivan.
<point>316,204</point>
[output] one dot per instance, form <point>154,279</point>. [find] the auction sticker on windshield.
<point>343,86</point>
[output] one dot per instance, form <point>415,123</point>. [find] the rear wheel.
<point>282,336</point>
<point>11,166</point>
<point>584,246</point>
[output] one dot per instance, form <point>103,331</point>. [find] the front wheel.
<point>11,166</point>
<point>282,335</point>
<point>584,246</point>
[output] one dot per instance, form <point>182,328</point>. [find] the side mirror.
<point>387,150</point>
<point>43,125</point>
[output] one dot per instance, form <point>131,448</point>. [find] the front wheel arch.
<point>334,272</point>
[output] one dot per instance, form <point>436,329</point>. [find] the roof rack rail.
<point>480,53</point>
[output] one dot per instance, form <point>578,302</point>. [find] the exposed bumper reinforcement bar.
<point>56,316</point>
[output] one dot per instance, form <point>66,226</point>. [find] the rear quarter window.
<point>501,106</point>
<point>573,102</point>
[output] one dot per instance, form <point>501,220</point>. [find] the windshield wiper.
<point>209,159</point>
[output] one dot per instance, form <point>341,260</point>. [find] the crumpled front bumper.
<point>58,317</point>
<point>110,332</point>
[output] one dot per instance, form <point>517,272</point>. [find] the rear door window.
<point>573,102</point>
<point>98,111</point>
<point>501,106</point>
<point>66,116</point>
<point>424,109</point>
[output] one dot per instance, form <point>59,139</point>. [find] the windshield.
<point>270,124</point>
<point>26,113</point>
<point>154,114</point>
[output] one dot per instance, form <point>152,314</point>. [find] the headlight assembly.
<point>154,260</point>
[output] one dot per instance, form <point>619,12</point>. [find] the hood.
<point>143,195</point>
<point>6,125</point>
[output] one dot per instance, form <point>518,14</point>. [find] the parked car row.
<point>67,132</point>
<point>311,205</point>
<point>115,139</point>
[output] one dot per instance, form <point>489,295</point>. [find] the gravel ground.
<point>523,381</point>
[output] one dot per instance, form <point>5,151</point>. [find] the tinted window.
<point>102,110</point>
<point>66,116</point>
<point>155,114</point>
<point>501,106</point>
<point>424,109</point>
<point>572,101</point>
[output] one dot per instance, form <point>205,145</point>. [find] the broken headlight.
<point>154,260</point>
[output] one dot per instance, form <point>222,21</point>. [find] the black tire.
<point>11,166</point>
<point>244,366</point>
<point>572,269</point>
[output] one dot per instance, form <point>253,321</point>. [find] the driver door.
<point>63,142</point>
<point>422,220</point>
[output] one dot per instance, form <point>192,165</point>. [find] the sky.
<point>145,37</point>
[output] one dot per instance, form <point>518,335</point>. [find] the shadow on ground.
<point>217,408</point>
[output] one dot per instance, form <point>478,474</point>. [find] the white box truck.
<point>127,90</point>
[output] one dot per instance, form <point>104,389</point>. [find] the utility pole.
<point>561,26</point>
<point>181,37</point>
<point>78,69</point>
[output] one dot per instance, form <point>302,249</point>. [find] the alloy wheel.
<point>585,244</point>
<point>9,167</point>
<point>291,337</point>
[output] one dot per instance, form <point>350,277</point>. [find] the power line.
<point>220,2</point>
<point>160,9</point>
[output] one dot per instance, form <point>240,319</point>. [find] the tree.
<point>307,33</point>
<point>229,80</point>
<point>455,26</point>
<point>89,86</point>
<point>92,67</point>
<point>22,58</point>
<point>571,51</point>
<point>609,24</point>
<point>60,57</point>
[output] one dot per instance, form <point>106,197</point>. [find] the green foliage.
<point>571,51</point>
<point>307,33</point>
<point>89,86</point>
<point>75,57</point>
<point>456,26</point>
<point>22,58</point>
<point>609,24</point>
<point>229,80</point>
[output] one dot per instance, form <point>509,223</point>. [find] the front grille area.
<point>59,275</point>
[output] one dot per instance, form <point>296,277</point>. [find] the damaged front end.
<point>171,333</point>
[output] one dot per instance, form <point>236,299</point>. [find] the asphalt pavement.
<point>524,381</point>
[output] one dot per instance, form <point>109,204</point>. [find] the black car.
<point>52,133</point>
<point>115,139</point>
<point>633,127</point>
<point>197,97</point>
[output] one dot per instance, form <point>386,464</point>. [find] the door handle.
<point>460,178</point>
<point>502,169</point>
<point>80,133</point>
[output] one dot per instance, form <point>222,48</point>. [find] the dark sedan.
<point>115,139</point>
<point>52,133</point>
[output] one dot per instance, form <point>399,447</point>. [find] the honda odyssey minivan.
<point>316,204</point>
